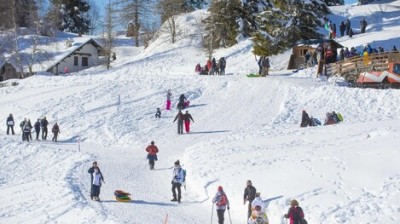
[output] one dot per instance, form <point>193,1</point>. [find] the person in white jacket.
<point>177,180</point>
<point>96,184</point>
<point>258,201</point>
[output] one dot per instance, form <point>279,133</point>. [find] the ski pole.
<point>229,214</point>
<point>212,211</point>
<point>166,219</point>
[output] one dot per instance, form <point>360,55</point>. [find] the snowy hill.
<point>244,129</point>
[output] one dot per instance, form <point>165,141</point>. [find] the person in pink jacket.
<point>295,213</point>
<point>169,94</point>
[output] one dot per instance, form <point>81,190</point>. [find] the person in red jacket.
<point>187,118</point>
<point>152,151</point>
<point>295,213</point>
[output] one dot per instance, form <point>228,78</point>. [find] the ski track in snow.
<point>245,128</point>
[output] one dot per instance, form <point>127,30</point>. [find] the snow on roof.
<point>77,43</point>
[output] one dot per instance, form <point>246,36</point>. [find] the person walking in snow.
<point>342,28</point>
<point>10,124</point>
<point>152,151</point>
<point>363,25</point>
<point>295,213</point>
<point>177,181</point>
<point>21,125</point>
<point>56,131</point>
<point>260,66</point>
<point>158,113</point>
<point>180,117</point>
<point>258,216</point>
<point>91,172</point>
<point>169,95</point>
<point>249,195</point>
<point>26,130</point>
<point>96,184</point>
<point>181,103</point>
<point>222,65</point>
<point>43,125</point>
<point>30,133</point>
<point>37,128</point>
<point>221,203</point>
<point>187,118</point>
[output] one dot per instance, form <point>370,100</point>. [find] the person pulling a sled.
<point>221,203</point>
<point>152,151</point>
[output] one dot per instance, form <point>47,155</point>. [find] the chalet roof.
<point>316,42</point>
<point>9,61</point>
<point>77,44</point>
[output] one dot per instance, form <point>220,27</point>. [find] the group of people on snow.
<point>263,66</point>
<point>331,118</point>
<point>26,128</point>
<point>212,67</point>
<point>345,28</point>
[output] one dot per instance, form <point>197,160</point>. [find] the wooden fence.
<point>350,68</point>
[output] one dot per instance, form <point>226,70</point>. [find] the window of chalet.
<point>76,59</point>
<point>85,61</point>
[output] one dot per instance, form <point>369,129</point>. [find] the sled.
<point>122,196</point>
<point>253,75</point>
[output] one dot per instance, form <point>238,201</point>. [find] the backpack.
<point>183,175</point>
<point>222,200</point>
<point>340,117</point>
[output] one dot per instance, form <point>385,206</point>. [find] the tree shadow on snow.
<point>208,132</point>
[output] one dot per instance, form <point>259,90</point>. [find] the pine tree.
<point>334,2</point>
<point>249,12</point>
<point>70,15</point>
<point>196,4</point>
<point>286,22</point>
<point>24,13</point>
<point>271,36</point>
<point>221,26</point>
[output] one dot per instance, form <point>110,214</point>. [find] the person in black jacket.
<point>249,195</point>
<point>37,128</point>
<point>10,124</point>
<point>305,119</point>
<point>56,131</point>
<point>180,117</point>
<point>44,124</point>
<point>91,171</point>
<point>181,104</point>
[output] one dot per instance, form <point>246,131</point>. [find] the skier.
<point>43,125</point>
<point>91,172</point>
<point>10,124</point>
<point>177,180</point>
<point>181,103</point>
<point>96,184</point>
<point>169,94</point>
<point>295,213</point>
<point>249,195</point>
<point>180,117</point>
<point>37,128</point>
<point>56,131</point>
<point>158,113</point>
<point>221,202</point>
<point>222,65</point>
<point>187,118</point>
<point>305,119</point>
<point>152,151</point>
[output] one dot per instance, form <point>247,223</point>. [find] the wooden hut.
<point>297,58</point>
<point>8,71</point>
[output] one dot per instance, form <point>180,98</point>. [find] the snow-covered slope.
<point>245,128</point>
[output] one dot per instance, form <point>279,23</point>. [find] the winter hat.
<point>220,188</point>
<point>152,142</point>
<point>177,162</point>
